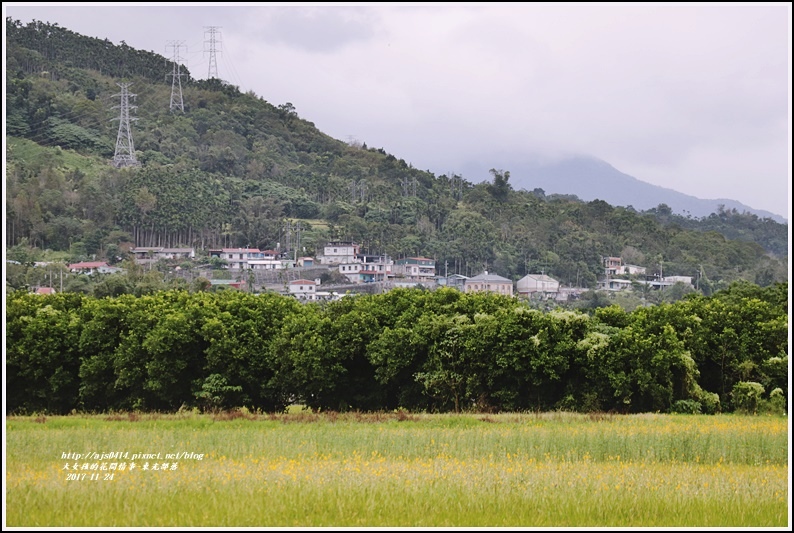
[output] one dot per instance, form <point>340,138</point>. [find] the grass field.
<point>398,470</point>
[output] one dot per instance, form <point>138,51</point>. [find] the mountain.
<point>234,170</point>
<point>590,178</point>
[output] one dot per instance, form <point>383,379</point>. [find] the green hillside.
<point>233,167</point>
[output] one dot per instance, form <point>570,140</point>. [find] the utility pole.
<point>213,65</point>
<point>125,149</point>
<point>176,75</point>
<point>297,240</point>
<point>288,234</point>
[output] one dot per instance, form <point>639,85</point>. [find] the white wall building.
<point>239,258</point>
<point>538,285</point>
<point>337,252</point>
<point>302,288</point>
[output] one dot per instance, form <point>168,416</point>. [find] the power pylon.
<point>176,78</point>
<point>125,148</point>
<point>213,66</point>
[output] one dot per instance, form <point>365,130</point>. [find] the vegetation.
<point>370,369</point>
<point>434,351</point>
<point>232,167</point>
<point>357,470</point>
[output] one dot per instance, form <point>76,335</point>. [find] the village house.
<point>613,266</point>
<point>93,267</point>
<point>303,288</point>
<point>143,255</point>
<point>417,269</point>
<point>634,270</point>
<point>239,258</point>
<point>486,282</point>
<point>453,281</point>
<point>44,290</point>
<point>234,284</point>
<point>538,286</point>
<point>270,261</point>
<point>614,284</point>
<point>338,252</point>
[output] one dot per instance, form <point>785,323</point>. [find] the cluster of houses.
<point>617,277</point>
<point>346,258</point>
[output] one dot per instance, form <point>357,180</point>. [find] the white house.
<point>239,258</point>
<point>615,284</point>
<point>336,252</point>
<point>145,254</point>
<point>265,264</point>
<point>91,267</point>
<point>303,288</point>
<point>538,285</point>
<point>368,268</point>
<point>687,280</point>
<point>633,270</point>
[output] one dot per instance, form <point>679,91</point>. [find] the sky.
<point>688,96</point>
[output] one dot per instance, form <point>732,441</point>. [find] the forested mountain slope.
<point>233,167</point>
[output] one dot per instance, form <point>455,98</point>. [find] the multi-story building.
<point>613,266</point>
<point>338,252</point>
<point>368,268</point>
<point>418,269</point>
<point>239,258</point>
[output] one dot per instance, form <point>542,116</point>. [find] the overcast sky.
<point>692,97</point>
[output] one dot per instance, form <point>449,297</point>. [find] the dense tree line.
<point>231,168</point>
<point>420,350</point>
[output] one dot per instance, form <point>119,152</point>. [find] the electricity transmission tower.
<point>358,190</point>
<point>455,185</point>
<point>176,81</point>
<point>213,66</point>
<point>125,149</point>
<point>408,185</point>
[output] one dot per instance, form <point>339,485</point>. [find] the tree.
<point>500,188</point>
<point>216,393</point>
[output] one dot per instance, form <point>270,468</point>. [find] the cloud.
<point>312,29</point>
<point>694,97</point>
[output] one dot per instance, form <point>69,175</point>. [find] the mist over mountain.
<point>590,179</point>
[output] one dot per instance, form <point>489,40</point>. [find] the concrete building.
<point>489,283</point>
<point>418,269</point>
<point>538,286</point>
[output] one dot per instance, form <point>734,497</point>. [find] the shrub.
<point>746,396</point>
<point>776,404</point>
<point>687,407</point>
